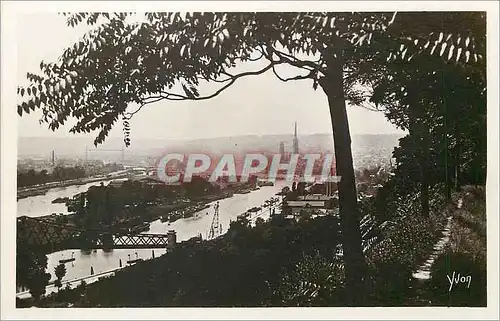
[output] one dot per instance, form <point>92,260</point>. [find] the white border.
<point>9,117</point>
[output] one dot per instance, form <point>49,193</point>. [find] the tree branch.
<point>298,77</point>
<point>232,81</point>
<point>128,115</point>
<point>369,106</point>
<point>305,64</point>
<point>173,96</point>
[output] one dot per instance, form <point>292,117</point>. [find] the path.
<point>424,271</point>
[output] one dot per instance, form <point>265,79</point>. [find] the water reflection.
<point>41,205</point>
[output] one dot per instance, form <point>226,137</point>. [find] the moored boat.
<point>140,228</point>
<point>71,259</point>
<point>137,259</point>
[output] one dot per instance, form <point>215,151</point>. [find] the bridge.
<point>51,235</point>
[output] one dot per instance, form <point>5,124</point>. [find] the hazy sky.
<point>253,105</point>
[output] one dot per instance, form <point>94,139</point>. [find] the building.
<point>172,240</point>
<point>282,148</point>
<point>313,203</point>
<point>317,199</point>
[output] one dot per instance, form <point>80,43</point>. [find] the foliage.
<point>238,269</point>
<point>141,62</point>
<point>441,104</point>
<point>134,200</point>
<point>314,281</point>
<point>121,62</point>
<point>405,241</point>
<point>60,272</point>
<point>59,173</point>
<point>30,270</point>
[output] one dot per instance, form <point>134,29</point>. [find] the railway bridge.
<point>55,236</point>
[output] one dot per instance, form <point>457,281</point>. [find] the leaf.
<point>450,54</point>
<point>189,94</point>
<point>404,53</point>
<point>433,48</point>
<point>26,108</point>
<point>195,92</point>
<point>325,21</point>
<point>361,39</point>
<point>443,47</point>
<point>459,52</point>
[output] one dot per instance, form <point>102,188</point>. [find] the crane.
<point>215,228</point>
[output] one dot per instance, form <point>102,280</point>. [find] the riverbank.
<point>98,260</point>
<point>190,268</point>
<point>70,223</point>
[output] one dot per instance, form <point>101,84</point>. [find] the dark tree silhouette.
<point>30,270</point>
<point>60,272</point>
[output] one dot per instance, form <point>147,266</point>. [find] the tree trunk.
<point>421,134</point>
<point>449,162</point>
<point>424,178</point>
<point>354,260</point>
<point>457,159</point>
<point>450,178</point>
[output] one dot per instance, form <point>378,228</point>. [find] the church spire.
<point>295,141</point>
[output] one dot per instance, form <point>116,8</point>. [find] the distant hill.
<point>379,146</point>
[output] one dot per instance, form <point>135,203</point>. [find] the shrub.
<point>315,281</point>
<point>406,242</point>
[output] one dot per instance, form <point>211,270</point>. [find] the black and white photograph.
<point>276,155</point>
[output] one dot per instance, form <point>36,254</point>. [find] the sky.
<point>253,105</point>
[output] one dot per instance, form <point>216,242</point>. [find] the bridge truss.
<point>54,236</point>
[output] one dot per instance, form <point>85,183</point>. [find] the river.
<point>101,261</point>
<point>41,205</point>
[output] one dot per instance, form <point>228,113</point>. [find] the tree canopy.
<point>168,55</point>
